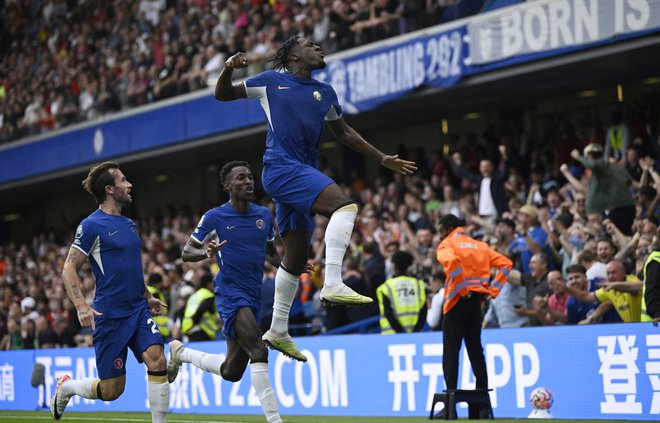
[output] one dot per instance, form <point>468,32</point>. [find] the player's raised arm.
<point>351,138</point>
<point>225,90</point>
<point>73,285</point>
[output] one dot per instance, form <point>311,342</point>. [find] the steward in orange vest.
<point>467,264</point>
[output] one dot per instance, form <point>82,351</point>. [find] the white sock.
<point>261,383</point>
<point>207,362</point>
<point>86,388</point>
<point>286,285</point>
<point>159,398</point>
<point>337,237</point>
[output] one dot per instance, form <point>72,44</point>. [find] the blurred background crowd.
<point>66,61</point>
<point>576,233</point>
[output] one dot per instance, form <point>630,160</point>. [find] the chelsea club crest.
<point>260,224</point>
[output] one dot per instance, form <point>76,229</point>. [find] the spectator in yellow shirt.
<point>621,291</point>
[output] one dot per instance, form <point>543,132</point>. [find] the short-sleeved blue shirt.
<point>113,247</point>
<point>296,109</point>
<point>241,260</point>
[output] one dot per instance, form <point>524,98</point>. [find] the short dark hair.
<point>402,260</point>
<point>439,275</point>
<point>98,178</point>
<point>228,167</point>
<point>449,222</point>
<point>281,59</point>
<point>586,255</point>
<point>154,279</point>
<point>508,222</point>
<point>576,268</point>
<point>206,279</point>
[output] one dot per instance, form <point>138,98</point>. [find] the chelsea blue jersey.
<point>296,109</point>
<point>242,259</point>
<point>113,247</point>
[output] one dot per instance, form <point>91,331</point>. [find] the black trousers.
<point>463,322</point>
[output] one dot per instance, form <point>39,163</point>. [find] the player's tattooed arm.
<point>72,283</point>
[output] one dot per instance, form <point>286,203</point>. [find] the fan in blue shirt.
<point>297,107</point>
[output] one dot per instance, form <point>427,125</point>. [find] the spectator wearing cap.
<point>532,238</point>
<point>608,191</point>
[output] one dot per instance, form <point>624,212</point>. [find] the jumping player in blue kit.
<point>121,316</point>
<point>296,106</point>
<point>242,230</point>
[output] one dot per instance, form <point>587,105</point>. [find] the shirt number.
<point>154,327</point>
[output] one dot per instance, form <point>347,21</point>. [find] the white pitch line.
<point>108,419</point>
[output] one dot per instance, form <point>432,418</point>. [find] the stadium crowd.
<point>66,61</point>
<point>578,251</point>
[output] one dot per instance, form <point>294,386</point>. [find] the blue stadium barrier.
<point>595,372</point>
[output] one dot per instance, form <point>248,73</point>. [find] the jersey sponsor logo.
<point>119,363</point>
<point>261,224</point>
<point>112,233</point>
<point>229,228</point>
<point>280,87</point>
<point>317,95</point>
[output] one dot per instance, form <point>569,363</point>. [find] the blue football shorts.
<point>113,337</point>
<point>228,309</point>
<point>294,187</point>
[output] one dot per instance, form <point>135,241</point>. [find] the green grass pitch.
<point>74,417</point>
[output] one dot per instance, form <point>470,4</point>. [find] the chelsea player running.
<point>121,317</point>
<point>244,228</point>
<point>296,106</point>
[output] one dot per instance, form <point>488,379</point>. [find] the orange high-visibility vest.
<point>467,263</point>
